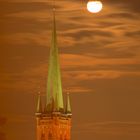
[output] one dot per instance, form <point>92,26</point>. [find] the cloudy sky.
<point>100,65</point>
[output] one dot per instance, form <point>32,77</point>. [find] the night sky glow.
<point>100,66</point>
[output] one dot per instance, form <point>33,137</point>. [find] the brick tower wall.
<point>53,128</point>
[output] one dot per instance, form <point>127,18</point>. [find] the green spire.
<point>68,106</point>
<point>39,104</point>
<point>54,87</point>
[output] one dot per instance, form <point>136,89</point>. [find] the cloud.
<point>102,74</point>
<point>74,89</point>
<point>9,8</point>
<point>110,128</point>
<point>75,60</point>
<point>133,34</point>
<point>123,15</point>
<point>88,34</point>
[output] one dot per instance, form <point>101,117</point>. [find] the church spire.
<point>54,123</point>
<point>54,87</point>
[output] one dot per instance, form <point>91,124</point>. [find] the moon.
<point>94,6</point>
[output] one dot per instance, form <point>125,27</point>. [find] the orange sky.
<point>100,64</point>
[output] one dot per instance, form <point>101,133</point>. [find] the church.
<point>54,118</point>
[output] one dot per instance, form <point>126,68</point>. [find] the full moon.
<point>94,6</point>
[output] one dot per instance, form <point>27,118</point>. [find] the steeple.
<point>54,87</point>
<point>39,105</point>
<point>68,106</point>
<point>54,123</point>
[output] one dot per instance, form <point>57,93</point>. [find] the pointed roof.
<point>39,104</point>
<point>54,87</point>
<point>68,106</point>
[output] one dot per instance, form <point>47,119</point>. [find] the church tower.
<point>54,118</point>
